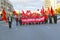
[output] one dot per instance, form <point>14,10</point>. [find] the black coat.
<point>10,19</point>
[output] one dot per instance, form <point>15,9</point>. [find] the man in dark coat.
<point>55,18</point>
<point>50,19</point>
<point>10,21</point>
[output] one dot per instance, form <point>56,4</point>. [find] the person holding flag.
<point>4,15</point>
<point>49,15</point>
<point>8,20</point>
<point>16,17</point>
<point>53,15</point>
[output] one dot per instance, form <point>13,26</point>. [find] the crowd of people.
<point>19,18</point>
<point>51,18</point>
<point>28,15</point>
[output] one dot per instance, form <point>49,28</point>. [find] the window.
<point>1,2</point>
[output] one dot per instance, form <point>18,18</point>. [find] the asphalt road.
<point>30,32</point>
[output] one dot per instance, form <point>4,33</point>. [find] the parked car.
<point>58,17</point>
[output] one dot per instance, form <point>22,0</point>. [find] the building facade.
<point>6,4</point>
<point>53,4</point>
<point>58,3</point>
<point>47,4</point>
<point>50,3</point>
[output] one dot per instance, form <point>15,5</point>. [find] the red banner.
<point>32,20</point>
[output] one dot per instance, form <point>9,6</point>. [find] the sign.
<point>32,20</point>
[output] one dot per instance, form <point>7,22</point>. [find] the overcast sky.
<point>27,4</point>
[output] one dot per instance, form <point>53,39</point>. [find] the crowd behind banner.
<point>30,17</point>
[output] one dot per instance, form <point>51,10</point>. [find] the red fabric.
<point>15,13</point>
<point>42,10</point>
<point>28,12</point>
<point>4,16</point>
<point>16,19</point>
<point>23,14</point>
<point>29,20</point>
<point>52,11</point>
<point>46,17</point>
<point>49,11</point>
<point>31,15</point>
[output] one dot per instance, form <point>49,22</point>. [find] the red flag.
<point>49,11</point>
<point>52,11</point>
<point>42,10</point>
<point>28,12</point>
<point>15,13</point>
<point>4,15</point>
<point>23,13</point>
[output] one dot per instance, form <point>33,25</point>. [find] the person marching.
<point>17,21</point>
<point>50,18</point>
<point>54,15</point>
<point>55,19</point>
<point>10,21</point>
<point>46,18</point>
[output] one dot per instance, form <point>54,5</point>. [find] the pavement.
<point>30,32</point>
